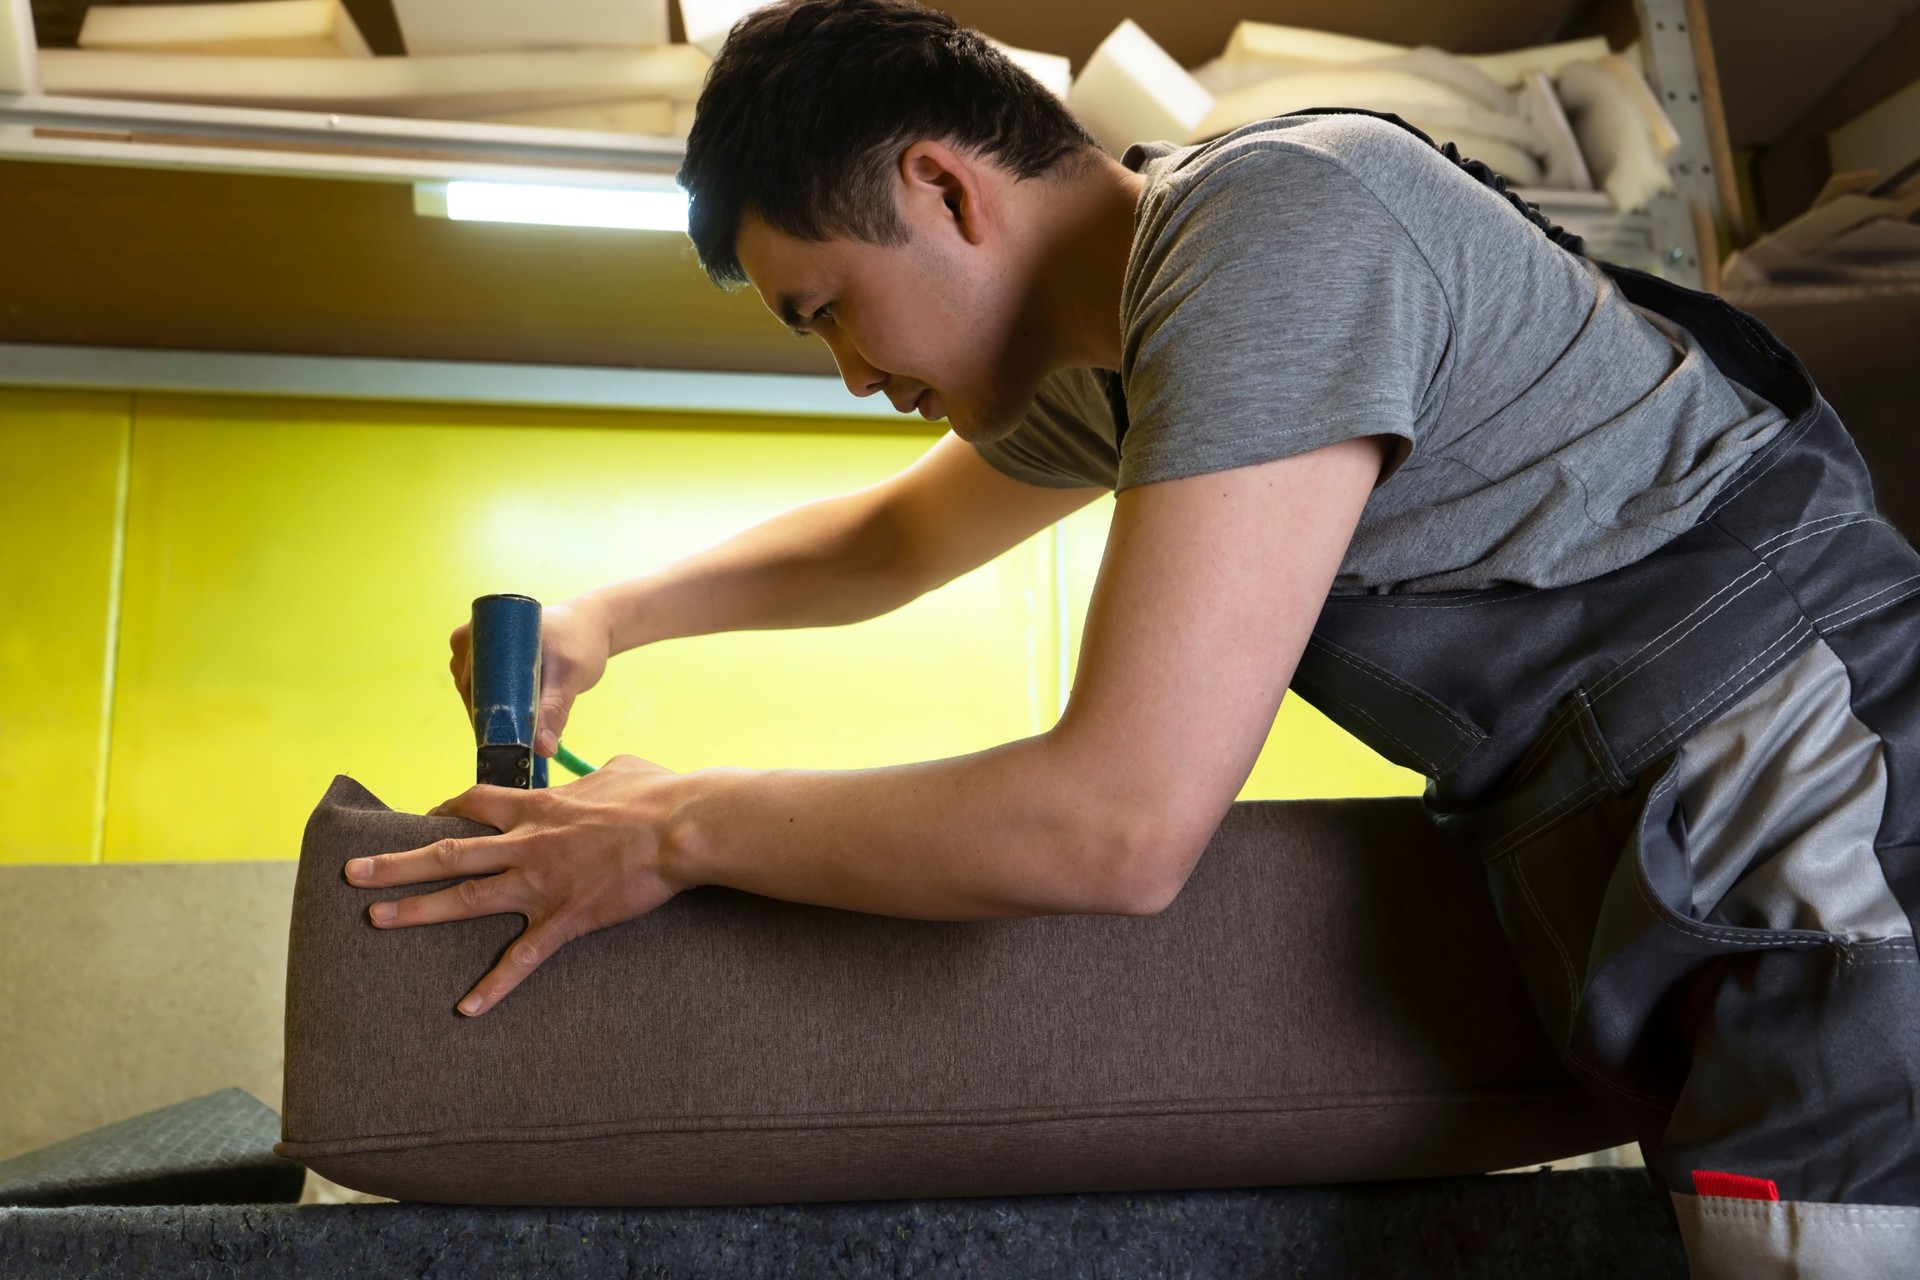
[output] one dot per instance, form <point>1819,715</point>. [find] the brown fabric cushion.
<point>1328,999</point>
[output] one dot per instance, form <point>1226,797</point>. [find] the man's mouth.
<point>923,402</point>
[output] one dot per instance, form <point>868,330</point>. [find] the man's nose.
<point>861,378</point>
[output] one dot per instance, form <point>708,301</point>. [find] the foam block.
<point>1457,74</point>
<point>1566,167</point>
<point>1510,68</point>
<point>1131,90</point>
<point>456,85</point>
<point>494,26</point>
<point>263,28</point>
<point>1508,143</point>
<point>1624,135</point>
<point>19,70</point>
<point>1284,48</point>
<point>1257,49</point>
<point>1050,69</point>
<point>708,21</point>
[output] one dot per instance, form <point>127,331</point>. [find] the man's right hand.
<point>575,642</point>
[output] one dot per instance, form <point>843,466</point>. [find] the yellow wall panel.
<point>1306,756</point>
<point>292,572</point>
<point>60,460</point>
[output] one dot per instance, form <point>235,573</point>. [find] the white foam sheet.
<point>1508,143</point>
<point>1260,49</point>
<point>1286,48</point>
<point>453,85</point>
<point>493,26</point>
<point>1566,167</point>
<point>268,28</point>
<point>1131,90</point>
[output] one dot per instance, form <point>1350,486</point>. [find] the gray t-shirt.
<point>1311,279</point>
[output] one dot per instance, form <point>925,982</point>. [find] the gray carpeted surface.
<point>1571,1226</point>
<point>216,1149</point>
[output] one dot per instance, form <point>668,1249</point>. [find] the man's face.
<point>927,322</point>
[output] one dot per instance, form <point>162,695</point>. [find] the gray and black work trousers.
<point>1695,783</point>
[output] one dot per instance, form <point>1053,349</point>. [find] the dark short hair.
<point>811,102</point>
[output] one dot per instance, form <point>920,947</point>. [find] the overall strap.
<point>1478,170</point>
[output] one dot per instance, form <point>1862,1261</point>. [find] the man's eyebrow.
<point>790,313</point>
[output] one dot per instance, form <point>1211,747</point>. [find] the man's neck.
<point>1084,236</point>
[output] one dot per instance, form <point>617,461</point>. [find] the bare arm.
<point>838,560</point>
<point>1208,593</point>
<point>842,559</point>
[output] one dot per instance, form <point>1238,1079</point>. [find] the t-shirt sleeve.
<point>1065,441</point>
<point>1276,306</point>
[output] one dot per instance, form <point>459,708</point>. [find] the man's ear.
<point>942,186</point>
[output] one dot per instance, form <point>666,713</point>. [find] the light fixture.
<point>659,209</point>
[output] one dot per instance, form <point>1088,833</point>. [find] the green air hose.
<point>570,762</point>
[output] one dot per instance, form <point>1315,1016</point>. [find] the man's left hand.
<point>571,859</point>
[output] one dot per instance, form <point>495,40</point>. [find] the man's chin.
<point>978,427</point>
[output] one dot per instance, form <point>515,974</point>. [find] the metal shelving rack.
<point>1679,234</point>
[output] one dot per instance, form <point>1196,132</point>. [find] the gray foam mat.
<point>1571,1226</point>
<point>216,1149</point>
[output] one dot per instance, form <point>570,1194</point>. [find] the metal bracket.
<point>1667,46</point>
<point>324,145</point>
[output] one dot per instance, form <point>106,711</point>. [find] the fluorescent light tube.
<point>554,206</point>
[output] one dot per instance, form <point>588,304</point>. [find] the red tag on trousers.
<point>1734,1186</point>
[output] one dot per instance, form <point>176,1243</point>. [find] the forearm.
<point>1011,831</point>
<point>823,564</point>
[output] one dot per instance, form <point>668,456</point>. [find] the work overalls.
<point>1551,725</point>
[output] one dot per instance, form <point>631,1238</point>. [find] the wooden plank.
<point>1856,182</point>
<point>1726,183</point>
<point>1809,231</point>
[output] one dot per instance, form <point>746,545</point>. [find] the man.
<point>1586,549</point>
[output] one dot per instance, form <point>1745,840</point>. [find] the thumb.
<point>552,721</point>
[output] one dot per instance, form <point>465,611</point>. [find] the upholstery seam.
<point>708,1125</point>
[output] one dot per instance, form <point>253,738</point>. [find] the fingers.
<point>441,860</point>
<point>552,721</point>
<point>468,900</point>
<point>497,807</point>
<point>461,663</point>
<point>529,951</point>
